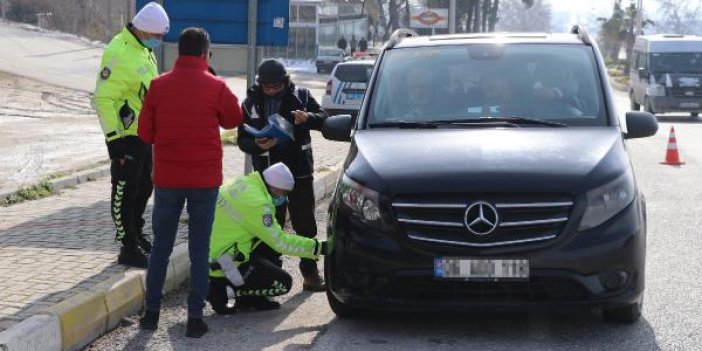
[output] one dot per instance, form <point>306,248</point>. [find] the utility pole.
<point>639,18</point>
<point>251,63</point>
<point>452,17</point>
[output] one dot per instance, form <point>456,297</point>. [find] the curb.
<point>69,181</point>
<point>81,319</point>
<point>39,332</point>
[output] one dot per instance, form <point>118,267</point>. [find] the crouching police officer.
<point>244,221</point>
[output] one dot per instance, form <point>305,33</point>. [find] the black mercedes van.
<point>488,171</point>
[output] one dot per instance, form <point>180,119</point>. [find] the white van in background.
<point>666,74</point>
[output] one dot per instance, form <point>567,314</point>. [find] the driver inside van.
<point>556,85</point>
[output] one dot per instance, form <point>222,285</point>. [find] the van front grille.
<point>517,221</point>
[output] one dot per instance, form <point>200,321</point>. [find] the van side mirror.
<point>640,125</point>
<point>643,72</point>
<point>337,128</point>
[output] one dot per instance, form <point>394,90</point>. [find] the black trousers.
<point>131,189</point>
<point>261,278</point>
<point>301,206</point>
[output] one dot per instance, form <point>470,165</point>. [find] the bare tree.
<point>680,16</point>
<point>93,19</point>
<point>515,16</point>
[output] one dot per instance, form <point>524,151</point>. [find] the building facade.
<point>317,23</point>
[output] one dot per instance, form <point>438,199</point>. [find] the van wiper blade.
<point>511,120</point>
<point>403,124</point>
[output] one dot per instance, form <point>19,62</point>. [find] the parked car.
<point>347,86</point>
<point>488,171</point>
<point>666,74</point>
<point>328,58</point>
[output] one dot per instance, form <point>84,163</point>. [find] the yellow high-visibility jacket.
<point>126,71</point>
<point>245,217</point>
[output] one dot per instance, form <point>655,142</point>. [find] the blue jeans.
<point>166,214</point>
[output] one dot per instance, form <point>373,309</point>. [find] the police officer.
<point>244,220</point>
<point>128,65</point>
<point>275,93</point>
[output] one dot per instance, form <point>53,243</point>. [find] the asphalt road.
<point>671,318</point>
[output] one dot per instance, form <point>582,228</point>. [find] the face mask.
<point>279,200</point>
<point>152,43</point>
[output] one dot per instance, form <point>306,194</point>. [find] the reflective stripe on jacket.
<point>245,216</point>
<point>126,71</point>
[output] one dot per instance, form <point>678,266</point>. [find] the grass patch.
<point>61,174</point>
<point>622,80</point>
<point>57,175</point>
<point>44,188</point>
<point>229,137</point>
<point>323,169</point>
<point>33,192</point>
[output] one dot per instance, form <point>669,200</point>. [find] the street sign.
<point>227,20</point>
<point>429,18</point>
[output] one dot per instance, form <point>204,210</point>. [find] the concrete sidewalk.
<point>61,287</point>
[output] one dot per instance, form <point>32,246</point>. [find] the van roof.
<point>663,43</point>
<point>506,38</point>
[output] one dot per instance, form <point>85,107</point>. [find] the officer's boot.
<point>312,281</point>
<point>218,297</point>
<point>255,303</point>
<point>131,254</point>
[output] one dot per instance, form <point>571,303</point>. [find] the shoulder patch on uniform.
<point>105,73</point>
<point>267,220</point>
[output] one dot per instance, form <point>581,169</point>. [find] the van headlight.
<point>655,89</point>
<point>606,201</point>
<point>362,201</point>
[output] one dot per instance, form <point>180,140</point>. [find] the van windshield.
<point>676,63</point>
<point>555,82</point>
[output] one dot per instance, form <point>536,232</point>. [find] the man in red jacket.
<point>181,117</point>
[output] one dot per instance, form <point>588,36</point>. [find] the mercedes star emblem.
<point>481,218</point>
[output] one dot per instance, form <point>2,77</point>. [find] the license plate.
<point>481,269</point>
<point>689,105</point>
<point>354,96</point>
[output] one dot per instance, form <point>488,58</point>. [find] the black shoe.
<point>133,257</point>
<point>255,303</point>
<point>144,243</point>
<point>313,282</point>
<point>196,328</point>
<point>149,321</point>
<point>223,310</point>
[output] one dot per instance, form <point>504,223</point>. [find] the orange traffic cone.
<point>671,155</point>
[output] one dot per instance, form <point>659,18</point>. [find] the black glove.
<point>125,170</point>
<point>324,249</point>
<point>117,149</point>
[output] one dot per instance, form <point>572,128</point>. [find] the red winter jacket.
<point>181,116</point>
